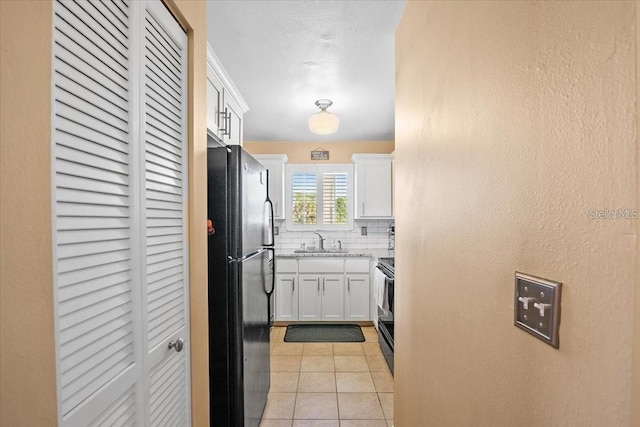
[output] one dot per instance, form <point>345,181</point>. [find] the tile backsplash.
<point>377,236</point>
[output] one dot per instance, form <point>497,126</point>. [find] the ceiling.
<point>285,55</point>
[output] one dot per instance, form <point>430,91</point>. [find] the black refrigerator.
<point>241,280</point>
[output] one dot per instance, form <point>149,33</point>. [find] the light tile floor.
<point>328,384</point>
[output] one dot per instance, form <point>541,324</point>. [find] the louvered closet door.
<point>98,372</point>
<point>165,189</point>
<point>120,297</point>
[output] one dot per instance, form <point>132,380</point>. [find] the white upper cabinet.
<point>275,164</point>
<point>373,186</point>
<point>225,105</point>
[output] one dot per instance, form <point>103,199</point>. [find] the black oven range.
<point>385,310</point>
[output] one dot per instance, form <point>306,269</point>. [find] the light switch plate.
<point>276,231</point>
<point>537,307</point>
<point>363,231</point>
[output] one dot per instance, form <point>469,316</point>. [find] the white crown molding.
<point>217,67</point>
<point>370,156</point>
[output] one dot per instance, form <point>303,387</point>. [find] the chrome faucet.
<point>320,241</point>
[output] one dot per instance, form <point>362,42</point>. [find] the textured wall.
<point>300,152</point>
<point>513,121</point>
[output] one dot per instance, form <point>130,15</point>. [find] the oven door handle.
<point>386,273</point>
<point>384,270</point>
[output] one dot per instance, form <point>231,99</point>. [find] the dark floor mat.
<point>324,333</point>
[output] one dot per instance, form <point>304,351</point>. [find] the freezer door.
<point>255,327</point>
<point>254,206</point>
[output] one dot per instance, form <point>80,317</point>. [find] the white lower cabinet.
<point>321,297</point>
<point>310,304</point>
<point>287,289</point>
<point>286,297</point>
<point>357,294</point>
<point>356,297</point>
<point>332,297</point>
<point>323,289</point>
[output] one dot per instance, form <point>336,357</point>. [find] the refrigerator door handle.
<point>247,257</point>
<point>272,237</point>
<point>273,270</point>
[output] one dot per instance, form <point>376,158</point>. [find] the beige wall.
<point>513,120</point>
<point>27,351</point>
<point>635,405</point>
<point>27,359</point>
<point>300,152</point>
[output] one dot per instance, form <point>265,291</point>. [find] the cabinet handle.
<point>318,286</point>
<point>276,209</point>
<point>225,117</point>
<point>362,208</point>
<point>293,285</point>
<point>349,284</point>
<point>323,285</point>
<point>222,121</point>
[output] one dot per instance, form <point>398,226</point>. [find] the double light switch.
<point>537,307</point>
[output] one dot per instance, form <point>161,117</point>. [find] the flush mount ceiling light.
<point>323,123</point>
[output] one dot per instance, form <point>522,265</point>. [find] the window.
<point>320,197</point>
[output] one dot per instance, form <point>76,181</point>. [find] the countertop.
<point>370,253</point>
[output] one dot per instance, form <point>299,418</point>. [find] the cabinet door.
<point>286,297</point>
<point>233,127</point>
<point>377,197</point>
<point>332,297</point>
<point>310,297</point>
<point>214,102</point>
<point>273,187</point>
<point>357,297</point>
<point>374,189</point>
<point>276,185</point>
<point>274,167</point>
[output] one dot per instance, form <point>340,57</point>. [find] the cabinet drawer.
<point>356,265</point>
<point>321,265</point>
<point>285,265</point>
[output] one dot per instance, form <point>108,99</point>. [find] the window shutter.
<point>304,198</point>
<point>93,212</point>
<point>334,198</point>
<point>319,197</point>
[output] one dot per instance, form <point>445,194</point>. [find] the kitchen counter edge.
<point>357,253</point>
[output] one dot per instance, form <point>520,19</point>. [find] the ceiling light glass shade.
<point>324,123</point>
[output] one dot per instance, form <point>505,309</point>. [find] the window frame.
<point>319,170</point>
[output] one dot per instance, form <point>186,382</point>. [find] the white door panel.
<point>119,145</point>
